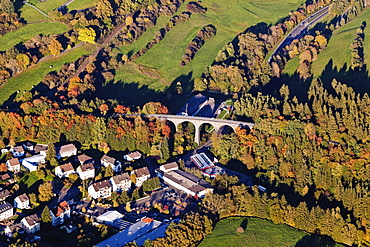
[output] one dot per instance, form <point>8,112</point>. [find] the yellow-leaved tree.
<point>87,35</point>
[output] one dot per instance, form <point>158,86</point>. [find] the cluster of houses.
<point>31,223</point>
<point>31,155</point>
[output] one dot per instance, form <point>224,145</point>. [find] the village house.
<point>40,149</point>
<point>18,151</point>
<point>4,194</point>
<point>110,161</point>
<point>4,176</point>
<point>132,156</point>
<point>31,223</point>
<point>13,165</point>
<point>142,174</point>
<point>121,182</point>
<point>169,167</point>
<point>6,211</point>
<point>31,163</point>
<point>86,171</point>
<point>102,189</point>
<point>13,228</point>
<point>186,181</point>
<point>60,213</point>
<point>63,171</point>
<point>22,201</point>
<point>65,151</point>
<point>85,159</point>
<point>29,146</point>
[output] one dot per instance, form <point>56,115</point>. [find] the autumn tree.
<point>51,155</point>
<point>87,35</point>
<point>104,9</point>
<point>109,172</point>
<point>45,215</point>
<point>45,192</point>
<point>7,6</point>
<point>55,47</point>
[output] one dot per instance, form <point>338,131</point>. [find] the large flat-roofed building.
<point>139,232</point>
<point>202,161</point>
<point>186,182</point>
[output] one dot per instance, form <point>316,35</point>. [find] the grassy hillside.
<point>29,31</point>
<point>338,49</point>
<point>34,75</point>
<point>229,17</point>
<point>31,15</point>
<point>259,233</point>
<point>81,4</point>
<point>48,6</point>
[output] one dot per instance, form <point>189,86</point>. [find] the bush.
<point>240,229</point>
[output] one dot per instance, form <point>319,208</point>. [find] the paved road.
<point>301,29</point>
<point>37,9</point>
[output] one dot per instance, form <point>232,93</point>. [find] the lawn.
<point>34,75</point>
<point>291,66</point>
<point>29,31</point>
<point>338,48</point>
<point>259,233</point>
<point>31,15</point>
<point>81,4</point>
<point>29,180</point>
<point>50,5</point>
<point>229,17</point>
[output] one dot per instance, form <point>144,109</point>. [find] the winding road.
<point>301,29</point>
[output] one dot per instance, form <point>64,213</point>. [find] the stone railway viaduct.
<point>218,124</point>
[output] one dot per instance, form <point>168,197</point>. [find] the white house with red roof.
<point>61,212</point>
<point>63,171</point>
<point>13,165</point>
<point>65,151</point>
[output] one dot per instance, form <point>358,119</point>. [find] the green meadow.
<point>229,17</point>
<point>29,31</point>
<point>338,49</point>
<point>259,233</point>
<point>34,75</point>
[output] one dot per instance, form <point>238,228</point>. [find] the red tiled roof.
<point>142,172</point>
<point>14,162</point>
<point>147,220</point>
<point>66,167</point>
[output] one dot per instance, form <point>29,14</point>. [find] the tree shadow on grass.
<point>315,241</point>
<point>358,79</point>
<point>244,224</point>
<point>130,94</point>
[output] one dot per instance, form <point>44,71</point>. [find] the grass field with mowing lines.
<point>229,17</point>
<point>34,75</point>
<point>259,233</point>
<point>29,31</point>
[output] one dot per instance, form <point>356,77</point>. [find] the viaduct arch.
<point>198,121</point>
